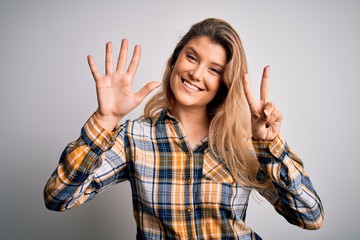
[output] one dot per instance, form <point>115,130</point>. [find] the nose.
<point>197,73</point>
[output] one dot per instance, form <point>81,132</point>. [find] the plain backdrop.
<point>47,93</point>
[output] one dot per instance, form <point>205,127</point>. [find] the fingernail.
<point>265,113</point>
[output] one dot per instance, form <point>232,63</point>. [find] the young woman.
<point>203,144</point>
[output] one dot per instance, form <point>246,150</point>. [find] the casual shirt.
<point>179,192</point>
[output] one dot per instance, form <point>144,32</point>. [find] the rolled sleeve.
<point>275,150</point>
<point>98,138</point>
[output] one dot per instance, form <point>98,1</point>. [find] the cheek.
<point>180,65</point>
<point>214,84</point>
<point>173,84</point>
<point>172,81</point>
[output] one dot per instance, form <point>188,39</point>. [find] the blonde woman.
<point>203,143</point>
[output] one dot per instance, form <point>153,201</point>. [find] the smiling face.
<point>197,74</point>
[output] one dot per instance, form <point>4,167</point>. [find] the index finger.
<point>264,87</point>
<point>248,92</point>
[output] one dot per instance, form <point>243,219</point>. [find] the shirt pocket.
<point>216,170</point>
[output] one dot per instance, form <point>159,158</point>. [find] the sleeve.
<point>87,166</point>
<point>291,192</point>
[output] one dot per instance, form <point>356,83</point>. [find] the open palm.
<point>115,95</point>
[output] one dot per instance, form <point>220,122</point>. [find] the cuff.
<point>267,150</point>
<point>98,138</point>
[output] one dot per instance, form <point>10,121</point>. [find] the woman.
<point>203,144</point>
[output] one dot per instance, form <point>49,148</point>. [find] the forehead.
<point>207,49</point>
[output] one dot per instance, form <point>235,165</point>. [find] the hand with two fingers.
<point>266,119</point>
<point>115,95</point>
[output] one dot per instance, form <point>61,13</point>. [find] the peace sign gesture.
<point>265,117</point>
<point>114,90</point>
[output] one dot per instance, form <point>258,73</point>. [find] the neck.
<point>194,121</point>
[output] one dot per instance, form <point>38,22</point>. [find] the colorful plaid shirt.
<point>178,192</point>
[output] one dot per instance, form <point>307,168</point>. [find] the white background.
<point>47,93</point>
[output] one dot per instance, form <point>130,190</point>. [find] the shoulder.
<point>142,126</point>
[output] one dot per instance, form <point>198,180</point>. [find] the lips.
<point>191,86</point>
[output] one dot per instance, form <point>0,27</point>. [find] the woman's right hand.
<point>114,90</point>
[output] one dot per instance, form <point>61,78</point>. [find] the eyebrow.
<point>193,49</point>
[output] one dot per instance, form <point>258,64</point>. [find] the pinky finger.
<point>93,68</point>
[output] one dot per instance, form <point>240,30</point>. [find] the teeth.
<point>189,85</point>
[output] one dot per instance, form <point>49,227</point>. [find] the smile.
<point>191,86</point>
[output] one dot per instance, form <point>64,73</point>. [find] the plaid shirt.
<point>178,192</point>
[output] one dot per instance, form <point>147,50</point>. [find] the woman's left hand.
<point>265,117</point>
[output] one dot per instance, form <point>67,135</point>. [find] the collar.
<point>162,115</point>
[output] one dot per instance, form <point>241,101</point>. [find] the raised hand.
<point>265,117</point>
<point>114,90</point>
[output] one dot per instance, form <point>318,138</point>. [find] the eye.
<point>215,70</point>
<point>191,57</point>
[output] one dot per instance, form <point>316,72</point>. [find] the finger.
<point>135,60</point>
<point>93,68</point>
<point>275,119</point>
<point>276,116</point>
<point>264,87</point>
<point>267,113</point>
<point>269,108</point>
<point>248,92</point>
<point>148,88</point>
<point>122,55</point>
<point>108,58</point>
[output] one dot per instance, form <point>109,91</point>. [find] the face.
<point>197,74</point>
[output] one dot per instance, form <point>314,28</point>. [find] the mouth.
<point>191,86</point>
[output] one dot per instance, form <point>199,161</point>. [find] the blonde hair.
<point>229,114</point>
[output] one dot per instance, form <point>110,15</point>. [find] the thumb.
<point>261,122</point>
<point>148,88</point>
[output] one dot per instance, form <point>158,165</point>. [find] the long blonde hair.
<point>229,114</point>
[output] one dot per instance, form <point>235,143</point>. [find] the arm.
<point>291,192</point>
<point>87,166</point>
<point>95,161</point>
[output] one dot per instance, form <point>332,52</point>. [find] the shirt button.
<point>103,143</point>
<point>188,181</point>
<point>189,209</point>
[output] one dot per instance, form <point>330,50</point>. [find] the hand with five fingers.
<point>115,95</point>
<point>266,119</point>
